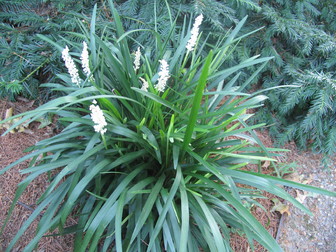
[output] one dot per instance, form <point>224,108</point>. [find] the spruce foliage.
<point>25,60</point>
<point>301,37</point>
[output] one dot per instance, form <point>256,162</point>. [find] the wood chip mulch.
<point>11,149</point>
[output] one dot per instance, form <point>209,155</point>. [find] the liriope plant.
<point>153,144</point>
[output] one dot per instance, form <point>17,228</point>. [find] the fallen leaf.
<point>9,113</point>
<point>308,180</point>
<point>266,164</point>
<point>295,177</point>
<point>280,207</point>
<point>301,196</point>
<point>9,123</point>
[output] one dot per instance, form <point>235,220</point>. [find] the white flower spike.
<point>137,59</point>
<point>85,61</point>
<point>98,118</point>
<point>194,33</point>
<point>70,65</point>
<point>163,76</point>
<point>145,84</point>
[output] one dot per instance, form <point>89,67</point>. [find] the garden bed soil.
<point>11,149</point>
<point>295,232</point>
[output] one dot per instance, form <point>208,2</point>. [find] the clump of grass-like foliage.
<point>152,146</point>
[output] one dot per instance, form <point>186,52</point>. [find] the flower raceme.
<point>137,59</point>
<point>85,61</point>
<point>98,118</point>
<point>70,65</point>
<point>145,84</point>
<point>163,76</point>
<point>194,33</point>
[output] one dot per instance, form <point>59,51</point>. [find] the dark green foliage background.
<point>299,34</point>
<point>25,60</point>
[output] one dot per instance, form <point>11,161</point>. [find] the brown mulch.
<point>269,219</point>
<point>11,148</point>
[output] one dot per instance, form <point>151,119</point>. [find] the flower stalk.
<point>70,65</point>
<point>194,34</point>
<point>163,76</point>
<point>85,62</point>
<point>145,84</point>
<point>137,59</point>
<point>98,118</point>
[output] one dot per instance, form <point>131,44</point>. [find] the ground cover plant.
<point>153,144</point>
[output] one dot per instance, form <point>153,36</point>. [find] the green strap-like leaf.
<point>197,101</point>
<point>148,206</point>
<point>94,171</point>
<point>100,218</point>
<point>118,222</point>
<point>168,204</point>
<point>218,239</point>
<point>184,217</point>
<point>244,213</point>
<point>158,99</point>
<point>293,184</point>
